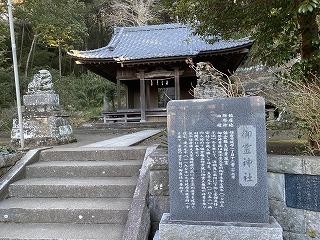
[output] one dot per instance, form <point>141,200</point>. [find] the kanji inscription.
<point>247,153</point>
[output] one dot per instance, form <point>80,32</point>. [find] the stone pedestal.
<point>41,99</point>
<point>181,230</point>
<point>44,121</point>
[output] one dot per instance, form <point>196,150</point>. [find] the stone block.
<point>158,160</point>
<point>285,164</point>
<point>295,236</point>
<point>43,110</point>
<point>43,131</point>
<point>313,224</point>
<point>10,159</point>
<point>290,219</point>
<point>158,206</point>
<point>41,99</point>
<point>178,230</point>
<point>311,165</point>
<point>295,220</point>
<point>276,185</point>
<point>156,236</point>
<point>159,183</point>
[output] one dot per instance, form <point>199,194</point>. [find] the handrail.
<point>132,114</point>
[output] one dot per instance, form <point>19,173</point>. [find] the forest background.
<point>46,30</point>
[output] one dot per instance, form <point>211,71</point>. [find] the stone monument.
<point>44,120</point>
<point>218,171</point>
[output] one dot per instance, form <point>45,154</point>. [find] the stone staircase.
<point>72,194</point>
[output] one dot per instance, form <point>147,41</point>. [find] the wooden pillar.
<point>119,93</point>
<point>147,94</point>
<point>126,90</point>
<point>142,96</point>
<point>177,83</point>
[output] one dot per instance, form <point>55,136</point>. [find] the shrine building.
<point>149,62</point>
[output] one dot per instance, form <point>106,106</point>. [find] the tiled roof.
<point>156,41</point>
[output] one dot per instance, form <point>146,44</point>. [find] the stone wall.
<point>158,187</point>
<point>297,224</point>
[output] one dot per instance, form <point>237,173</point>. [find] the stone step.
<point>113,187</point>
<point>69,169</point>
<point>65,210</point>
<point>46,231</point>
<point>93,154</point>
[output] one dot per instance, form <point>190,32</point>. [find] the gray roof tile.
<point>156,41</point>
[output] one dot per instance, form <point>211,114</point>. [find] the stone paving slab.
<point>70,169</point>
<point>65,210</point>
<point>93,153</point>
<point>122,187</point>
<point>125,140</point>
<point>60,231</point>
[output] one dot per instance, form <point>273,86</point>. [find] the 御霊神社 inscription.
<point>217,160</point>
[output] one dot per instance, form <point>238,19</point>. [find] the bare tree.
<point>128,12</point>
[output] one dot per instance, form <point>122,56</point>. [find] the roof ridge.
<point>151,27</point>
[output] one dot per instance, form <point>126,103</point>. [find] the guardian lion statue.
<point>41,83</point>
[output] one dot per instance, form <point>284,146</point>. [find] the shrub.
<point>300,100</point>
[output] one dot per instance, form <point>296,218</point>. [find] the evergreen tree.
<point>283,29</point>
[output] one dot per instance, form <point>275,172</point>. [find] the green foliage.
<point>97,26</point>
<point>7,89</point>
<point>6,150</point>
<point>82,95</point>
<point>58,22</point>
<point>308,6</point>
<point>283,30</point>
<point>84,92</point>
<point>312,233</point>
<point>6,116</point>
<point>63,23</point>
<point>4,36</point>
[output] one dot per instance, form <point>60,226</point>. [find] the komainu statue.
<point>41,83</point>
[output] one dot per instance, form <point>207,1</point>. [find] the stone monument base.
<point>43,131</point>
<point>181,230</point>
<point>45,123</point>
